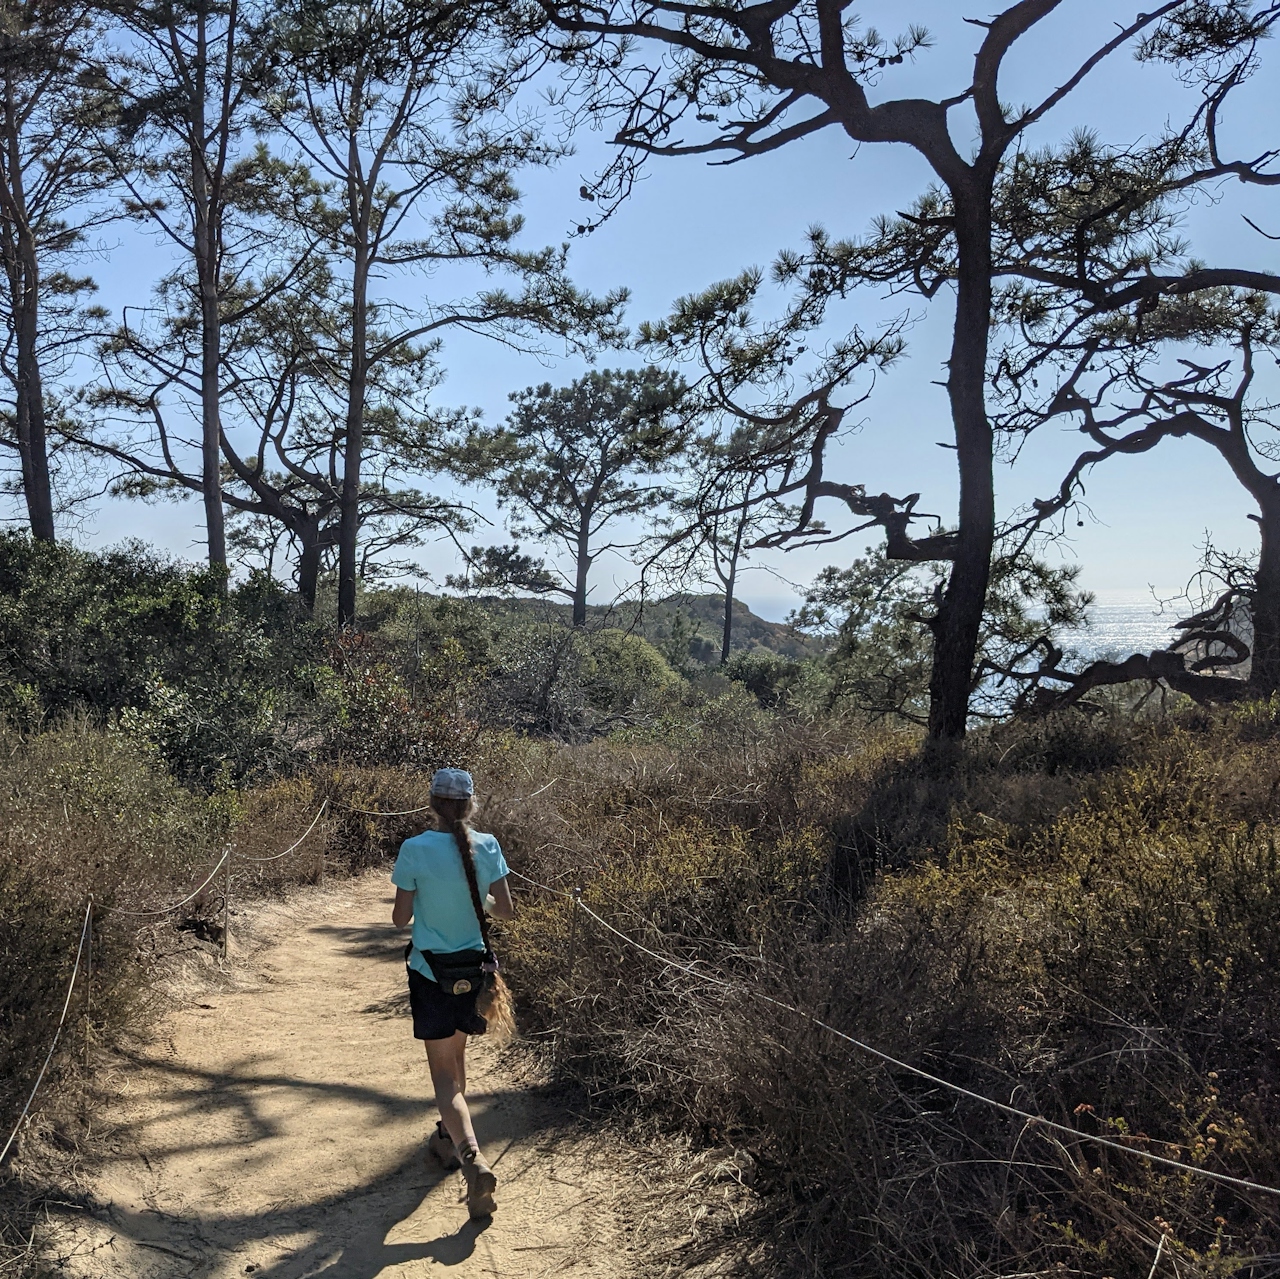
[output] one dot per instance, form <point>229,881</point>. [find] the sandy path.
<point>276,1128</point>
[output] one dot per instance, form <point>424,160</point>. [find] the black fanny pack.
<point>459,972</point>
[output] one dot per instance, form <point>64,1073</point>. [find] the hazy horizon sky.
<point>689,224</point>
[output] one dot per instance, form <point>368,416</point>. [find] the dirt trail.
<point>275,1126</point>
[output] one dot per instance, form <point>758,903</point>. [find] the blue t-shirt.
<point>444,917</point>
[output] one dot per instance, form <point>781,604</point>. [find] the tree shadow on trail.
<point>350,1232</point>
<point>411,1212</point>
<point>366,941</point>
<point>223,1109</point>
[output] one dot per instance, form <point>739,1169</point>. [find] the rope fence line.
<point>86,933</point>
<point>546,888</point>
<point>57,1034</point>
<point>1028,1117</point>
<point>373,812</point>
<point>575,897</point>
<point>526,798</point>
<point>228,853</point>
<point>166,910</point>
<point>409,812</point>
<point>297,843</point>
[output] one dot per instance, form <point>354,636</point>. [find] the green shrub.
<point>239,685</point>
<point>624,675</point>
<point>380,718</point>
<point>553,680</point>
<point>765,675</point>
<point>224,683</point>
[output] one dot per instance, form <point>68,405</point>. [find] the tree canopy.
<point>572,462</point>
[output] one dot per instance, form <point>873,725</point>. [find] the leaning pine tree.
<point>744,79</point>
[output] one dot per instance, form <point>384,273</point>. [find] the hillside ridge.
<point>700,616</point>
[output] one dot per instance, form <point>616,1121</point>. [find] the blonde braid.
<point>494,1004</point>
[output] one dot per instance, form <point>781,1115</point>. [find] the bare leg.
<point>459,1042</point>
<point>447,1060</point>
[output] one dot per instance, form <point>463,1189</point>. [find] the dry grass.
<point>1080,918</point>
<point>82,813</point>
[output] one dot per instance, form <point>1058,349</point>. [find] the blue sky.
<point>690,223</point>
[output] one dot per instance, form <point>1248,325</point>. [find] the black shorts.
<point>440,1016</point>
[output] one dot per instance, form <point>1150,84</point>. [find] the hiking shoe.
<point>441,1148</point>
<point>481,1183</point>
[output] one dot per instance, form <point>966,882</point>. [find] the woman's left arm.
<point>402,911</point>
<point>503,907</point>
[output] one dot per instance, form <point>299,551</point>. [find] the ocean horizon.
<point>1122,622</point>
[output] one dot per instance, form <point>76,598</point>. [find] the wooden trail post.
<point>88,984</point>
<point>226,907</point>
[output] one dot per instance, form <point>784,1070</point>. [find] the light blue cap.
<point>452,783</point>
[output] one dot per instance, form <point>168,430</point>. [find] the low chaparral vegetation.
<point>913,815</point>
<point>1074,914</point>
<point>1076,918</point>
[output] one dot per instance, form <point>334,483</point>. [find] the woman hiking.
<point>445,879</point>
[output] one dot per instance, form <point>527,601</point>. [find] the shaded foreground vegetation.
<point>1075,915</point>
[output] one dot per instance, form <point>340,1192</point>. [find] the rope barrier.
<point>562,892</point>
<point>1239,1183</point>
<point>409,812</point>
<point>370,812</point>
<point>297,843</point>
<point>227,854</point>
<point>538,792</point>
<point>86,932</point>
<point>165,910</point>
<point>575,896</point>
<point>57,1034</point>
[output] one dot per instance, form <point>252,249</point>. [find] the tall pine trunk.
<point>22,265</point>
<point>312,543</point>
<point>731,578</point>
<point>726,633</point>
<point>33,446</point>
<point>958,624</point>
<point>207,242</point>
<point>1264,672</point>
<point>582,569</point>
<point>211,420</point>
<point>1234,447</point>
<point>353,443</point>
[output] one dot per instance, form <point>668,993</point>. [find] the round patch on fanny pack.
<point>462,987</point>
